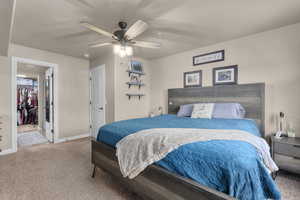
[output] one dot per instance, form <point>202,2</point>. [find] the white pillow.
<point>203,110</point>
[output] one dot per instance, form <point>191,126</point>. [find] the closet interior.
<point>30,103</point>
<point>27,104</point>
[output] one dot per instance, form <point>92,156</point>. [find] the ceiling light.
<point>117,48</point>
<point>122,50</point>
<point>86,55</point>
<point>21,76</point>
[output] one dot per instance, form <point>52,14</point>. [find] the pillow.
<point>203,110</point>
<point>185,110</point>
<point>228,111</point>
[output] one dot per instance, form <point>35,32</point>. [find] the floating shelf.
<point>135,84</point>
<point>134,95</point>
<point>135,72</point>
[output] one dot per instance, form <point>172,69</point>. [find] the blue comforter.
<point>232,167</point>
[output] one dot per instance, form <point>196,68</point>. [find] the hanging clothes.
<point>27,103</point>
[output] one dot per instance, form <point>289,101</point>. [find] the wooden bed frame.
<point>159,184</point>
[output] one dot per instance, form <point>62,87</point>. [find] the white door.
<point>49,105</point>
<point>97,104</point>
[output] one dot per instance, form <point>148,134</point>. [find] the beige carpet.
<point>62,172</point>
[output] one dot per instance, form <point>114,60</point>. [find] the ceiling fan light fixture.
<point>123,51</point>
<point>129,50</point>
<point>117,48</point>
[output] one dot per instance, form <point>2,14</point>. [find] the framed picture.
<point>136,66</point>
<point>225,75</point>
<point>192,79</point>
<point>211,57</point>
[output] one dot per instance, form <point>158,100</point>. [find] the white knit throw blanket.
<point>137,151</point>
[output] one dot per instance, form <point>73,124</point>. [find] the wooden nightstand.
<point>286,153</point>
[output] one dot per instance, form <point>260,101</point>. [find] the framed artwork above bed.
<point>192,79</point>
<point>225,75</point>
<point>211,57</point>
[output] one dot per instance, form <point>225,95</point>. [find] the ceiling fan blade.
<point>96,29</point>
<point>100,44</point>
<point>152,45</point>
<point>136,29</point>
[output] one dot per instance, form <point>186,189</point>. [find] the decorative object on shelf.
<point>134,95</point>
<point>134,72</point>
<point>225,75</point>
<point>280,131</point>
<point>211,57</point>
<point>134,78</point>
<point>136,66</point>
<point>192,79</point>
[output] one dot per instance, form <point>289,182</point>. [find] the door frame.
<point>14,66</point>
<point>104,97</point>
<point>51,88</point>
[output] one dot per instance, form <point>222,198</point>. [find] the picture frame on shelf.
<point>192,79</point>
<point>136,66</point>
<point>227,75</point>
<point>211,57</point>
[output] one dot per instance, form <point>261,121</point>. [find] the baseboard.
<point>7,151</point>
<point>72,138</point>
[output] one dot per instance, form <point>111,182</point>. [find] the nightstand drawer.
<point>287,163</point>
<point>287,149</point>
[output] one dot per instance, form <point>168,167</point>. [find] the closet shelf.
<point>135,72</point>
<point>135,84</point>
<point>134,95</point>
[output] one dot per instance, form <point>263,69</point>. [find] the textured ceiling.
<point>179,25</point>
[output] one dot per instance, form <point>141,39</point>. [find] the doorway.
<point>33,114</point>
<point>97,99</point>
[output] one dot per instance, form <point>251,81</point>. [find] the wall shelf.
<point>134,95</point>
<point>135,72</point>
<point>135,84</point>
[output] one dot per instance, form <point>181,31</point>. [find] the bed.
<point>175,177</point>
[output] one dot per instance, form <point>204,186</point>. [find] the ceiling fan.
<point>123,39</point>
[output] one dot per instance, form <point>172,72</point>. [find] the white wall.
<point>272,57</point>
<point>5,103</point>
<point>73,91</point>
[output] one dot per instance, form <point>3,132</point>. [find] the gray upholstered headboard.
<point>250,96</point>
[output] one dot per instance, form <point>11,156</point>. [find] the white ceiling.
<point>179,25</point>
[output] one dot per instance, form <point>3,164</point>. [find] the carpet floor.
<point>62,172</point>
